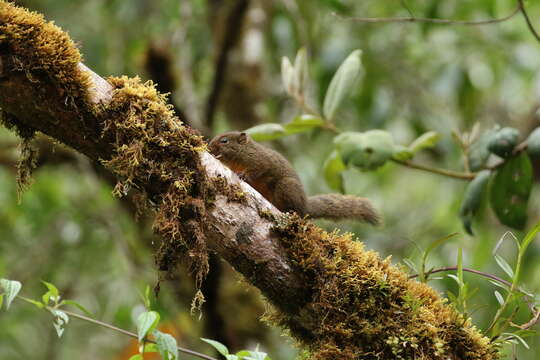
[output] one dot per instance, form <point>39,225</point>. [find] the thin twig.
<point>434,21</point>
<point>528,20</point>
<point>133,335</point>
<point>454,268</point>
<point>445,172</point>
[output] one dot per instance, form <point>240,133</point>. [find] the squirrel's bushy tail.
<point>339,207</point>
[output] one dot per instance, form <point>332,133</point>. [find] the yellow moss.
<point>362,307</point>
<point>43,51</point>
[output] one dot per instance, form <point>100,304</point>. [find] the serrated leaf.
<point>287,74</point>
<point>303,123</point>
<point>266,132</point>
<point>10,288</point>
<point>510,190</point>
<point>424,141</point>
<point>342,84</point>
<point>78,306</point>
<point>499,297</point>
<point>222,349</point>
<point>146,322</point>
<point>166,345</point>
<point>332,169</point>
<point>504,265</point>
<point>473,199</point>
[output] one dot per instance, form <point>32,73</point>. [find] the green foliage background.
<point>68,229</point>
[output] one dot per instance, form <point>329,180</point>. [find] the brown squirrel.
<point>268,172</point>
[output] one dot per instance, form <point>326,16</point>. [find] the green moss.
<point>151,143</point>
<point>43,51</point>
<point>362,307</point>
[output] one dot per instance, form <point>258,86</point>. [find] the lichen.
<point>363,307</point>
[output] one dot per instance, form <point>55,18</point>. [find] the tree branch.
<point>336,298</point>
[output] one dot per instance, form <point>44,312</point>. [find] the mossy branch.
<point>336,298</point>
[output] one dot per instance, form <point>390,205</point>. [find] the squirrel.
<point>268,172</point>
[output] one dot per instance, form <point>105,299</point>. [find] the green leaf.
<point>10,288</point>
<point>478,152</point>
<point>510,190</point>
<point>266,132</point>
<point>533,143</point>
<point>287,74</point>
<point>222,349</point>
<point>402,153</point>
<point>303,123</point>
<point>51,294</point>
<point>424,141</point>
<point>146,322</point>
<point>301,71</point>
<point>342,83</point>
<point>504,265</point>
<point>166,345</point>
<point>136,357</point>
<point>499,297</point>
<point>504,142</point>
<point>473,198</point>
<point>33,302</point>
<point>333,167</point>
<point>78,306</point>
<point>60,321</point>
<point>368,150</point>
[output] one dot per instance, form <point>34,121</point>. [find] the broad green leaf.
<point>510,190</point>
<point>368,150</point>
<point>146,322</point>
<point>303,123</point>
<point>266,132</point>
<point>10,289</point>
<point>473,198</point>
<point>342,84</point>
<point>333,167</point>
<point>287,74</point>
<point>166,345</point>
<point>136,357</point>
<point>301,71</point>
<point>222,349</point>
<point>256,355</point>
<point>149,348</point>
<point>424,141</point>
<point>533,143</point>
<point>504,265</point>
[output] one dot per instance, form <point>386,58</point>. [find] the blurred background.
<point>220,60</point>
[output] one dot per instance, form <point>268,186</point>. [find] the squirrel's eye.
<point>224,140</point>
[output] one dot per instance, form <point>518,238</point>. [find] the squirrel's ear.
<point>242,138</point>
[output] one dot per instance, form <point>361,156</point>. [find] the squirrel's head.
<point>228,145</point>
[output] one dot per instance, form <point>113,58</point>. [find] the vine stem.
<point>411,19</point>
<point>133,335</point>
<point>445,172</point>
<point>115,328</point>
